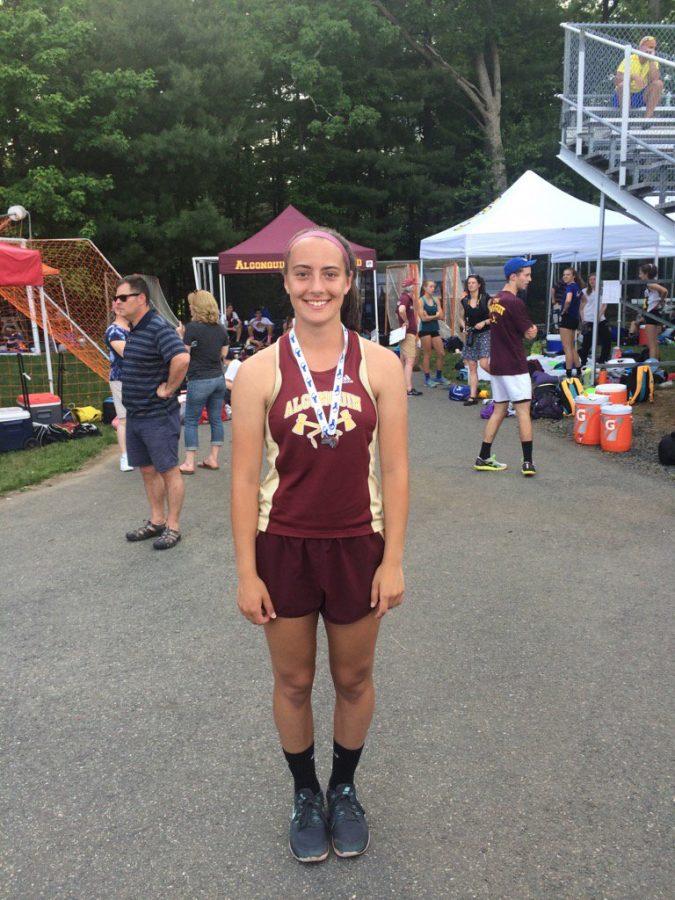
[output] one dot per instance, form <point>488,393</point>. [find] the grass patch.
<point>81,386</point>
<point>21,468</point>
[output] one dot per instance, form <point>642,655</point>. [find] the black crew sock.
<point>568,372</point>
<point>303,770</point>
<point>344,765</point>
<point>485,450</point>
<point>527,451</point>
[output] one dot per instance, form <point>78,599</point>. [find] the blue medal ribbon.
<point>328,427</point>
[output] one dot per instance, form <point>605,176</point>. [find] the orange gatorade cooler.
<point>587,419</point>
<point>642,337</point>
<point>613,393</point>
<point>616,427</point>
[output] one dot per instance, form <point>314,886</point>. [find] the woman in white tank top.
<point>654,297</point>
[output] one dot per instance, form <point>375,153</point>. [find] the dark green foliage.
<point>164,128</point>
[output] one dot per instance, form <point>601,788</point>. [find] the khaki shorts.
<point>116,391</point>
<point>408,346</point>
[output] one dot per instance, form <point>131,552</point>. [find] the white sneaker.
<point>124,464</point>
<point>510,411</point>
<point>228,410</point>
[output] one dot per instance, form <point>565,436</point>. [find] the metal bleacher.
<point>628,157</point>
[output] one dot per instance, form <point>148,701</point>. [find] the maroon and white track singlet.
<point>311,490</point>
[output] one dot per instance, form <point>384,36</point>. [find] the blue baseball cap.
<point>518,262</point>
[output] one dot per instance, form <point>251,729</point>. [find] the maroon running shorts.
<point>332,576</point>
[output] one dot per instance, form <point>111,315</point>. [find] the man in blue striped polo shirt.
<point>155,363</point>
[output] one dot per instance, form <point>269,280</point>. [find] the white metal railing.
<point>593,56</point>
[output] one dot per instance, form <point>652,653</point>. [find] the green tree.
<point>55,114</point>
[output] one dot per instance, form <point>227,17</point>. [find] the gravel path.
<point>521,743</point>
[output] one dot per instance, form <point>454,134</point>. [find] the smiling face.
<point>472,284</point>
<point>316,280</point>
<point>568,276</point>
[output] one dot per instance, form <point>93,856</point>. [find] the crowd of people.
<point>574,306</point>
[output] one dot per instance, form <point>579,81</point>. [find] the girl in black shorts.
<point>318,537</point>
<point>569,320</point>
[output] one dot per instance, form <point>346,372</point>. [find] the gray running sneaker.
<point>489,465</point>
<point>347,821</point>
<point>308,832</point>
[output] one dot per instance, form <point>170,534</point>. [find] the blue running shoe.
<point>442,381</point>
<point>347,821</point>
<point>308,832</point>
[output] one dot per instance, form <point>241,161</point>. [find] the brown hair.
<point>351,307</point>
<point>575,275</point>
<point>203,307</point>
<point>649,270</point>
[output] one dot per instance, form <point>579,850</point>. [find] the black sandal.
<point>146,531</point>
<point>471,401</point>
<point>168,539</point>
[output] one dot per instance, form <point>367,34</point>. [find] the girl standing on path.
<point>474,320</point>
<point>569,320</point>
<point>655,296</point>
<point>430,312</point>
<point>310,539</point>
<point>116,335</point>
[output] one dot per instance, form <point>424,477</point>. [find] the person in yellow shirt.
<point>646,86</point>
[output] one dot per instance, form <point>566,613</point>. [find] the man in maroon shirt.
<point>509,323</point>
<point>408,346</point>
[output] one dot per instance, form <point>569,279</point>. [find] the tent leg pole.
<point>377,312</point>
<point>223,295</point>
<point>33,320</point>
<point>598,281</point>
<point>466,267</point>
<point>619,312</point>
<point>549,281</point>
<point>45,331</point>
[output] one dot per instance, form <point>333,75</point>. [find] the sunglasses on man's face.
<point>124,297</point>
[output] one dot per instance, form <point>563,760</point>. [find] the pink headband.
<point>326,236</point>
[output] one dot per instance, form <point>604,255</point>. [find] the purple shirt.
<point>509,320</point>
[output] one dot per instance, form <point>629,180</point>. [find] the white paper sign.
<point>611,291</point>
<point>396,335</point>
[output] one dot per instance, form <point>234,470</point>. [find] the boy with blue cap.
<point>509,323</point>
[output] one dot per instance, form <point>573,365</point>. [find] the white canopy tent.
<point>655,247</point>
<point>534,217</point>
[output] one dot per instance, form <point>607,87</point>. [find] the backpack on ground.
<point>570,389</point>
<point>667,450</point>
<point>87,414</point>
<point>459,392</point>
<point>487,409</point>
<point>640,384</point>
<point>546,402</point>
<point>49,434</point>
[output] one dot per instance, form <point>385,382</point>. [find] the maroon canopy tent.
<point>264,251</point>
